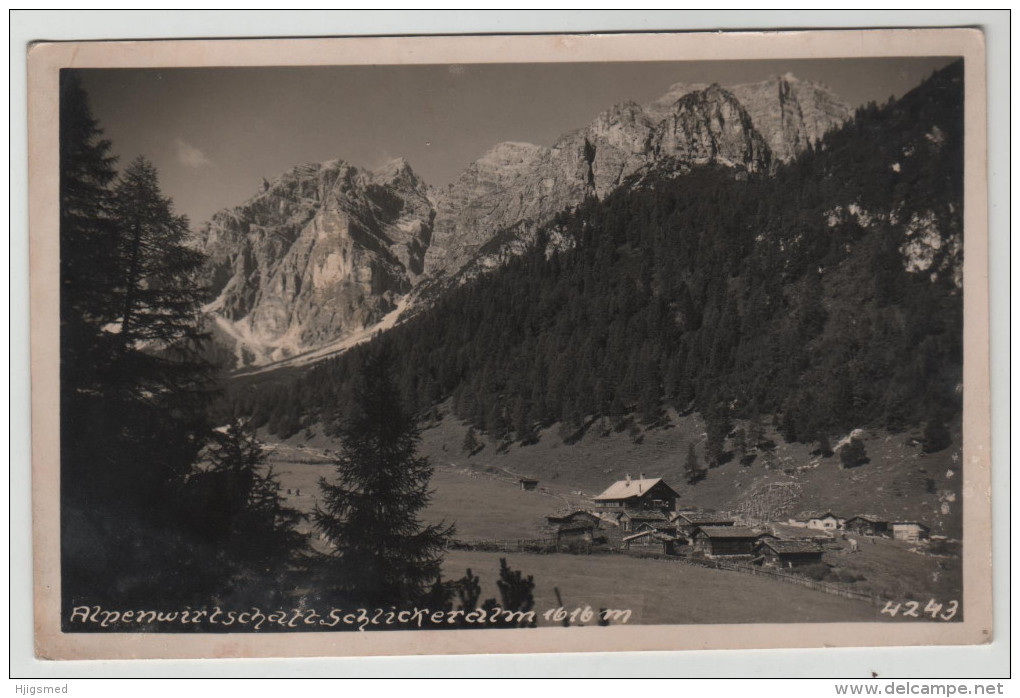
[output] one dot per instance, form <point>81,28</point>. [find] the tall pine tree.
<point>89,276</point>
<point>134,392</point>
<point>237,508</point>
<point>160,386</point>
<point>382,554</point>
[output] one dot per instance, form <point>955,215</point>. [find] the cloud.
<point>190,156</point>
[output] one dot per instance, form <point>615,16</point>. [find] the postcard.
<point>503,344</point>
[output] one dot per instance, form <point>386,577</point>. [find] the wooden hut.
<point>822,521</point>
<point>716,541</point>
<point>631,520</point>
<point>787,553</point>
<point>687,521</point>
<point>660,526</point>
<point>575,533</point>
<point>528,484</point>
<point>867,525</point>
<point>577,516</point>
<point>912,531</point>
<point>651,540</point>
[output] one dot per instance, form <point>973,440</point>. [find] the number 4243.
<point>912,609</point>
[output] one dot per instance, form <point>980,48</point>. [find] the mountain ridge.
<point>326,250</point>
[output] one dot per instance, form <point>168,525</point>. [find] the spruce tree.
<point>853,454</point>
<point>936,435</point>
<point>382,554</point>
<point>470,444</point>
<point>88,279</point>
<point>717,428</point>
<point>692,468</point>
<point>239,509</point>
<point>159,386</point>
<point>517,594</point>
<point>88,232</point>
<point>161,297</point>
<point>134,393</point>
<point>823,449</point>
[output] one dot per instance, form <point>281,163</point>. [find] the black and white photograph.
<point>509,346</point>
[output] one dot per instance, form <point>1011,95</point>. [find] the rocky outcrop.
<point>322,251</point>
<point>710,126</point>
<point>791,114</point>
<point>512,183</point>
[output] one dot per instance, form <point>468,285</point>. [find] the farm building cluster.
<point>645,514</point>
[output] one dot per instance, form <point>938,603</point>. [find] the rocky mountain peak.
<point>711,126</point>
<point>324,250</point>
<point>510,153</point>
<point>661,106</point>
<point>790,113</point>
<point>395,170</point>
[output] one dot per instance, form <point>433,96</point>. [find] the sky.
<point>214,133</point>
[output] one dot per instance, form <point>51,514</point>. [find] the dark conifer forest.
<point>785,296</point>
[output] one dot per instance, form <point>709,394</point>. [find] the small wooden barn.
<point>578,516</point>
<point>912,531</point>
<point>823,521</point>
<point>631,520</point>
<point>867,525</point>
<point>687,521</point>
<point>528,484</point>
<point>575,533</point>
<point>717,541</point>
<point>660,526</point>
<point>651,540</point>
<point>787,553</point>
<point>650,493</point>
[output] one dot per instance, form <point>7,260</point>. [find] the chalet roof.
<point>658,535</point>
<point>790,547</point>
<point>645,515</point>
<point>527,479</point>
<point>698,518</point>
<point>568,514</point>
<point>625,489</point>
<point>817,515</point>
<point>657,526</point>
<point>729,532</point>
<point>909,523</point>
<point>870,518</point>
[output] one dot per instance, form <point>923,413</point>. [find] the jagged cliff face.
<point>790,113</point>
<point>711,126</point>
<point>512,183</point>
<point>322,251</point>
<point>325,251</point>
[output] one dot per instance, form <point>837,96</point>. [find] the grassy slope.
<point>480,495</point>
<point>659,591</point>
<point>899,571</point>
<point>893,484</point>
<point>482,505</point>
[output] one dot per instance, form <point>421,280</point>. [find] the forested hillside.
<point>827,296</point>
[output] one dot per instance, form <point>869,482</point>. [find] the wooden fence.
<point>827,587</point>
<point>509,545</point>
<point>532,545</point>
